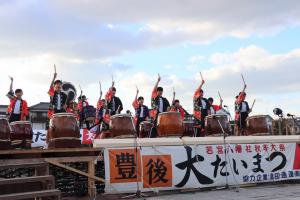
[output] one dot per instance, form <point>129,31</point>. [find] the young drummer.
<point>114,104</point>
<point>176,107</point>
<point>242,111</point>
<point>141,111</point>
<point>18,108</point>
<point>214,108</point>
<point>201,106</point>
<point>58,99</point>
<point>159,104</point>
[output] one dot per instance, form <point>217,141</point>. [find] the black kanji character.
<point>126,166</point>
<point>158,169</point>
<point>189,166</point>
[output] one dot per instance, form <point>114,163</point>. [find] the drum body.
<point>121,125</point>
<point>145,128</point>
<point>89,113</point>
<point>169,124</point>
<point>21,130</point>
<point>4,129</point>
<point>188,128</point>
<point>212,126</point>
<point>63,125</point>
<point>259,125</point>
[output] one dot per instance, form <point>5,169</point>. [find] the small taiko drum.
<point>169,124</point>
<point>212,125</point>
<point>145,129</point>
<point>63,125</point>
<point>4,134</point>
<point>188,128</point>
<point>259,125</point>
<point>122,125</point>
<point>89,113</point>
<point>4,129</point>
<point>21,134</point>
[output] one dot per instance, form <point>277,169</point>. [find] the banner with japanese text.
<point>198,166</point>
<point>39,137</point>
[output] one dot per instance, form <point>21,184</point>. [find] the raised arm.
<point>54,77</point>
<point>221,102</point>
<point>11,84</point>
<point>201,85</point>
<point>157,82</point>
<point>137,93</point>
<point>174,95</point>
<point>135,102</point>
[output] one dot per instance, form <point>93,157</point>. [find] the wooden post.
<point>91,182</point>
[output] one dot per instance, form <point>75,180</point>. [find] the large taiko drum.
<point>63,125</point>
<point>4,129</point>
<point>4,134</point>
<point>169,124</point>
<point>21,134</point>
<point>121,125</point>
<point>212,125</point>
<point>188,128</point>
<point>145,129</point>
<point>259,125</point>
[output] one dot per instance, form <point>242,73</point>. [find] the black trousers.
<point>14,117</point>
<point>241,123</point>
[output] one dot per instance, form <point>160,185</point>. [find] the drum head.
<point>169,113</point>
<point>222,111</point>
<point>259,116</point>
<point>63,115</point>
<point>120,115</point>
<point>19,122</point>
<point>216,116</point>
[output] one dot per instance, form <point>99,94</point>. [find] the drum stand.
<point>138,193</point>
<point>225,155</point>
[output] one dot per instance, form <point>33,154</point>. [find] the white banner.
<point>187,167</point>
<point>39,137</point>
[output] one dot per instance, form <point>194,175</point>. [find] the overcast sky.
<point>133,40</point>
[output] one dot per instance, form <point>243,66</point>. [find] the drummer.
<point>82,104</point>
<point>176,107</point>
<point>141,111</point>
<point>201,106</point>
<point>214,108</point>
<point>242,111</point>
<point>159,104</point>
<point>114,104</point>
<point>17,109</point>
<point>58,99</point>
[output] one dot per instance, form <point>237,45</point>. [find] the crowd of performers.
<point>111,105</point>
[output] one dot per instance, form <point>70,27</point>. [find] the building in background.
<point>3,109</point>
<point>38,115</point>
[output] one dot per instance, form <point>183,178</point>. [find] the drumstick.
<point>54,68</point>
<point>117,111</point>
<point>100,87</point>
<point>219,94</point>
<point>253,104</point>
<point>243,79</point>
<point>201,76</point>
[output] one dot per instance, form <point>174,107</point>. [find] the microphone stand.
<point>225,153</point>
<point>295,122</point>
<point>138,193</point>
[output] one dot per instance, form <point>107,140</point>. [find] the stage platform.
<point>172,141</point>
